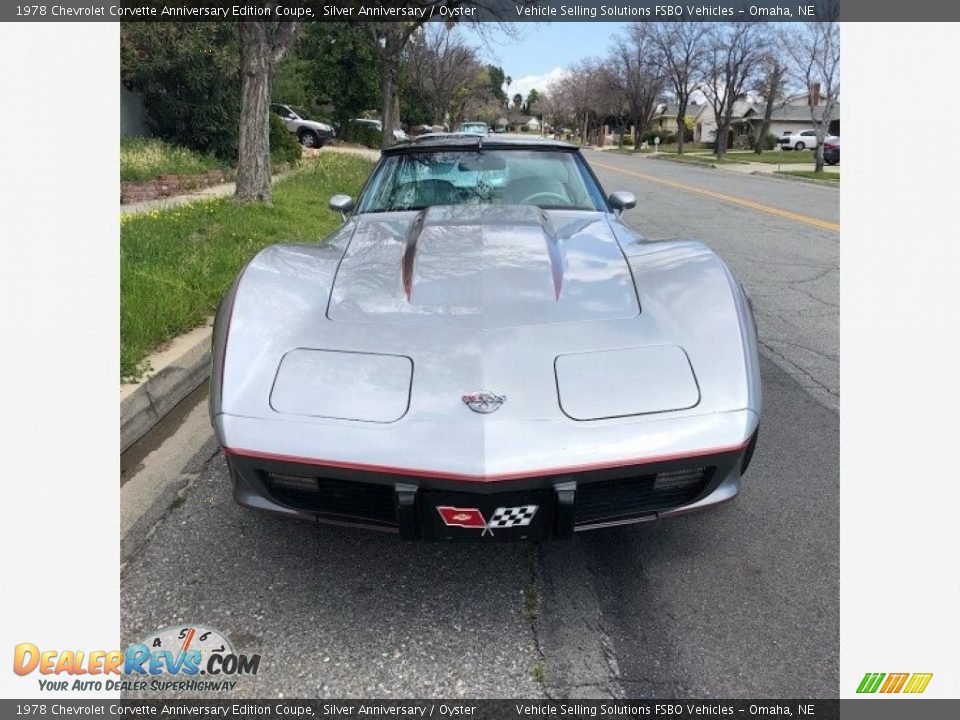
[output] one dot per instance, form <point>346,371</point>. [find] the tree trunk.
<point>262,46</point>
<point>681,125</point>
<point>387,92</point>
<point>256,69</point>
<point>819,151</point>
<point>765,125</point>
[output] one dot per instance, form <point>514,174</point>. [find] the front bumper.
<point>535,508</point>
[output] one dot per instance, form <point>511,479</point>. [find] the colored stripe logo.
<point>885,683</point>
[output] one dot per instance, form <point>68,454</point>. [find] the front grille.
<point>345,499</point>
<point>632,497</point>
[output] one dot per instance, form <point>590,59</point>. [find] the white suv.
<point>310,133</point>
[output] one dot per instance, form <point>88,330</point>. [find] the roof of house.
<point>790,113</point>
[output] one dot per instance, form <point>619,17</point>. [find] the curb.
<point>799,178</point>
<point>176,372</point>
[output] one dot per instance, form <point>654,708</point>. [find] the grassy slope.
<point>143,159</point>
<point>176,264</point>
<point>782,157</point>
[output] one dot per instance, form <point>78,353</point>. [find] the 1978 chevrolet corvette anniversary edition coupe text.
<point>484,350</point>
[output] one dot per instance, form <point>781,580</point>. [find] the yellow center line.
<point>787,214</point>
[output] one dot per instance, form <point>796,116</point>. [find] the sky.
<point>545,49</point>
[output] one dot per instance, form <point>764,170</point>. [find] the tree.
<point>263,44</point>
<point>815,50</point>
<point>496,80</point>
<point>555,107</point>
<point>518,101</point>
<point>682,47</point>
<point>441,68</point>
<point>639,74</point>
<point>770,85</point>
<point>333,72</point>
<point>590,89</point>
<point>391,39</point>
<point>532,97</point>
<point>188,75</point>
<point>731,60</point>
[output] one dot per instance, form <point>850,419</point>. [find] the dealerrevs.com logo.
<point>176,658</point>
<point>891,683</point>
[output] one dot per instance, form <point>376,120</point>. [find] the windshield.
<point>474,128</point>
<point>549,179</point>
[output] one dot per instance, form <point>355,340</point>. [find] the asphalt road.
<point>739,601</point>
<point>779,236</point>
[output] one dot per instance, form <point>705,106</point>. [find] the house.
<point>665,116</point>
<point>133,116</point>
<point>705,123</point>
<point>789,115</point>
<point>526,123</point>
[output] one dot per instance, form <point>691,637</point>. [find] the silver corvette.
<point>484,350</point>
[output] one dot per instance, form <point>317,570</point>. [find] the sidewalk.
<point>215,191</point>
<point>759,167</point>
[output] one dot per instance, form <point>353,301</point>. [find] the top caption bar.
<point>471,10</point>
<point>477,11</point>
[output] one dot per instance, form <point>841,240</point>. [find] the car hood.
<point>483,266</point>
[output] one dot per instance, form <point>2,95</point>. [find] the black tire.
<point>309,139</point>
<point>799,146</point>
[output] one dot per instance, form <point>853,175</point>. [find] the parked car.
<point>475,128</point>
<point>470,359</point>
<point>831,151</point>
<point>310,133</point>
<point>398,134</point>
<point>800,140</point>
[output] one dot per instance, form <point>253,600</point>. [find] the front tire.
<point>309,139</point>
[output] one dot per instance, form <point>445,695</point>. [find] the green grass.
<point>774,157</point>
<point>531,603</point>
<point>143,159</point>
<point>833,177</point>
<point>176,264</point>
<point>540,672</point>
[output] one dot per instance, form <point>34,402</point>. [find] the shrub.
<point>666,137</point>
<point>284,147</point>
<point>769,142</point>
<point>626,140</point>
<point>360,134</point>
<point>188,74</point>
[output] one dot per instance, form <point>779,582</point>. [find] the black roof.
<point>443,141</point>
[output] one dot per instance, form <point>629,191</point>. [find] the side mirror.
<point>343,204</point>
<point>621,201</point>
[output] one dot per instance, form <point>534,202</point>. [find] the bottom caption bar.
<point>267,709</point>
